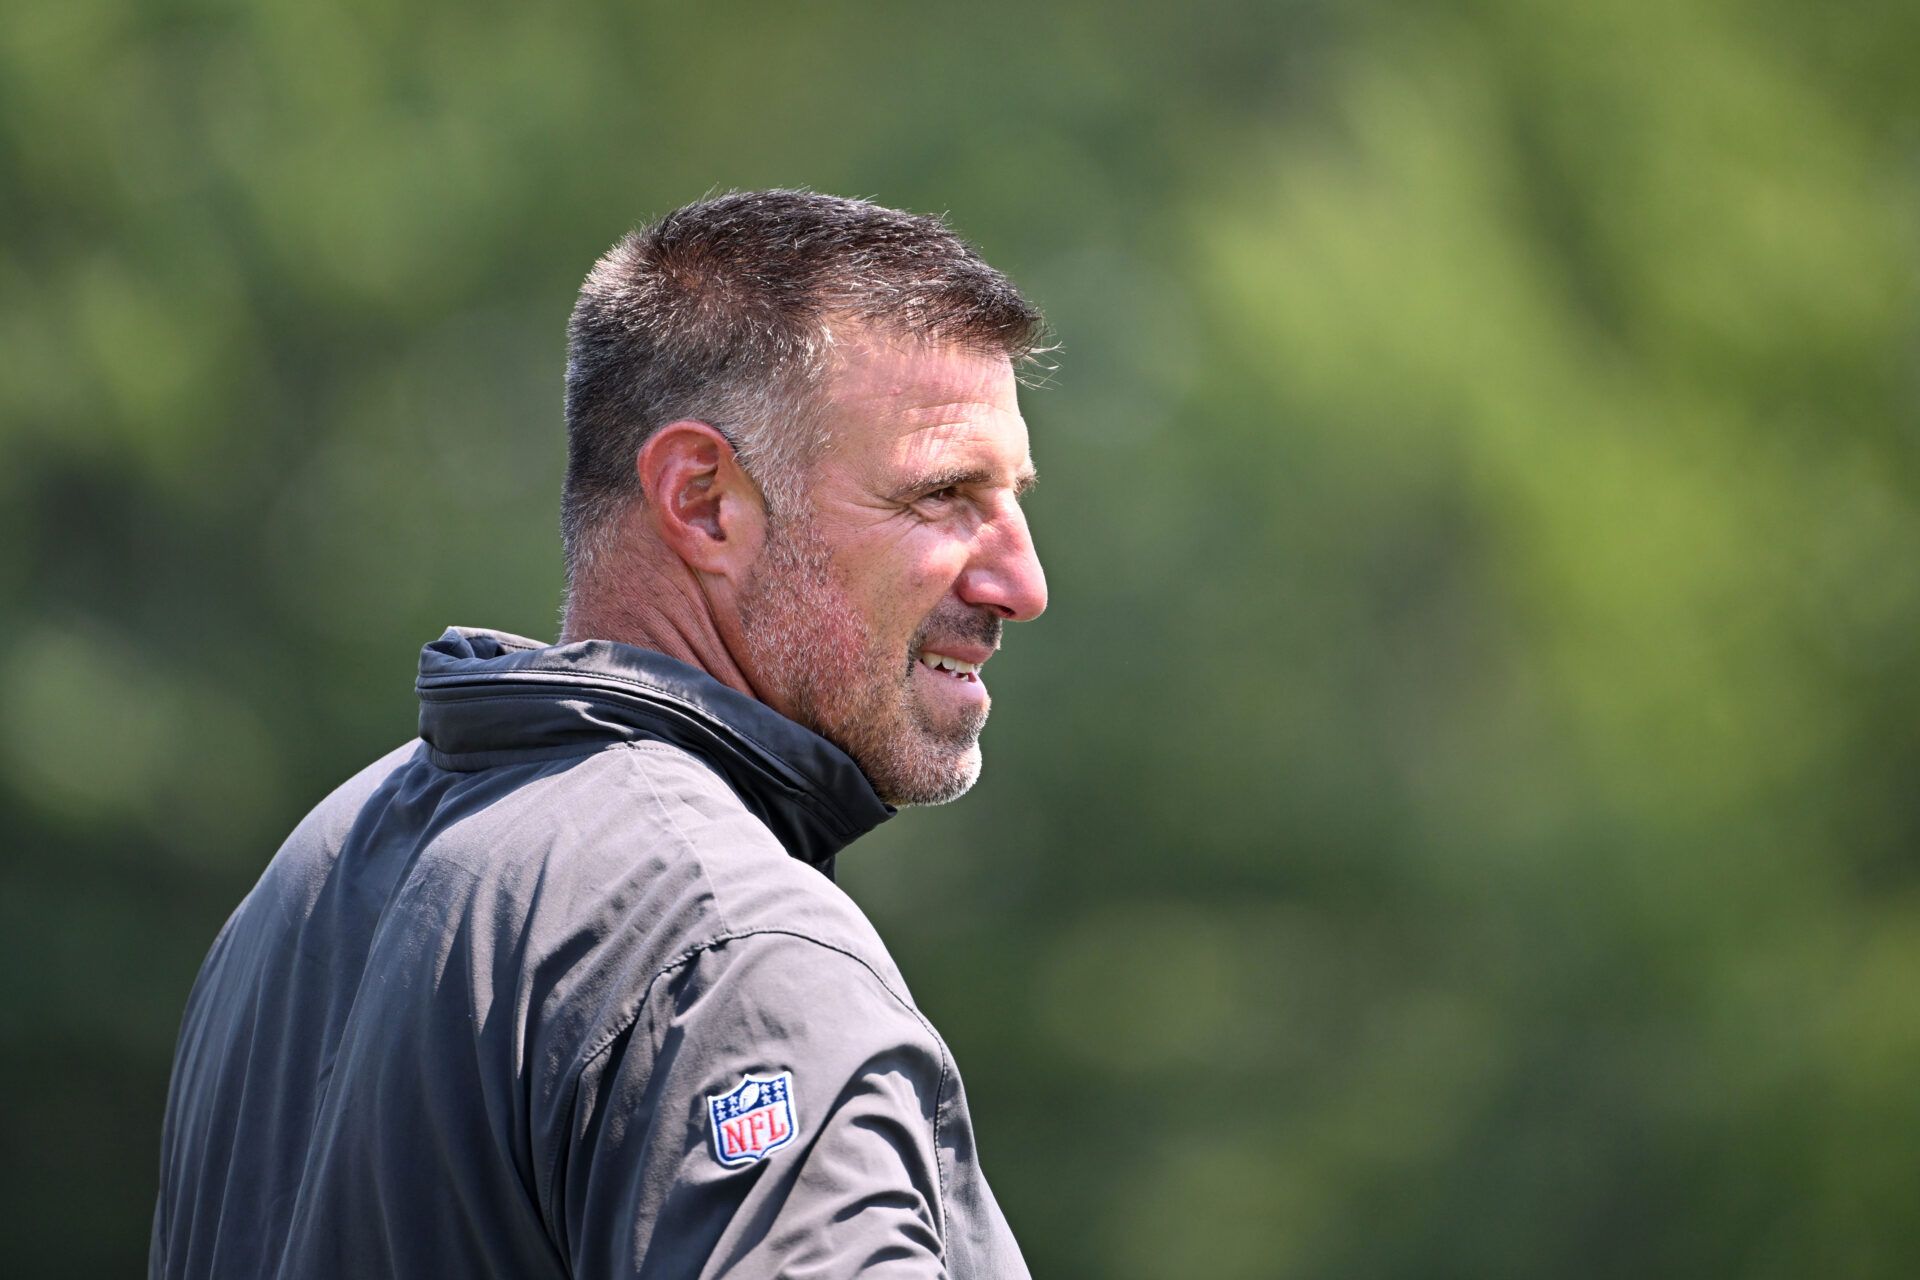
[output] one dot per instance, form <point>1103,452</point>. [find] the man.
<point>561,989</point>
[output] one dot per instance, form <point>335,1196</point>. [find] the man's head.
<point>795,457</point>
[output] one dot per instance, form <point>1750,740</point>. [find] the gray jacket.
<point>562,990</point>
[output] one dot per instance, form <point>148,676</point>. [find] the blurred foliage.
<point>1457,818</point>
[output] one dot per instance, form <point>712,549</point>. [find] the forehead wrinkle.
<point>964,453</point>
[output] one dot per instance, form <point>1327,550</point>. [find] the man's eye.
<point>946,494</point>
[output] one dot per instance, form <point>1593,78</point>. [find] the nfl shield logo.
<point>752,1119</point>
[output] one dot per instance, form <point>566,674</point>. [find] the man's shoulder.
<point>575,883</point>
<point>642,832</point>
<point>640,870</point>
<point>679,806</point>
<point>336,813</point>
<point>306,857</point>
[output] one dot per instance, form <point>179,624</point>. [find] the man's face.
<point>869,613</point>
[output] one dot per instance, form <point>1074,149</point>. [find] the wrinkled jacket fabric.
<point>470,1020</point>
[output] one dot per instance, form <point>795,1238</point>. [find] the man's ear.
<point>700,499</point>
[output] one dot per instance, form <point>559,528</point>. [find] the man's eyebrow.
<point>964,477</point>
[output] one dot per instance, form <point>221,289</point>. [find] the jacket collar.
<point>488,698</point>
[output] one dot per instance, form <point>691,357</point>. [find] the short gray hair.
<point>721,312</point>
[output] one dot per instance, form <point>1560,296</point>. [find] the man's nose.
<point>1005,574</point>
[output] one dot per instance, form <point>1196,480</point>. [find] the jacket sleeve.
<point>823,1157</point>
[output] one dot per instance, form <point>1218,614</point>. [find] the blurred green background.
<point>1457,818</point>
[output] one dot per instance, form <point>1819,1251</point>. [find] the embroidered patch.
<point>752,1119</point>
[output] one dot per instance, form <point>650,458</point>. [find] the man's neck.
<point>652,611</point>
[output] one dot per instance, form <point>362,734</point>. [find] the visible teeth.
<point>941,662</point>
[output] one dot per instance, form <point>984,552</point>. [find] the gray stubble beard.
<point>805,640</point>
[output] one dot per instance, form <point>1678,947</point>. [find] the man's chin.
<point>924,777</point>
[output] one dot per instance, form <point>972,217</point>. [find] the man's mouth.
<point>952,666</point>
